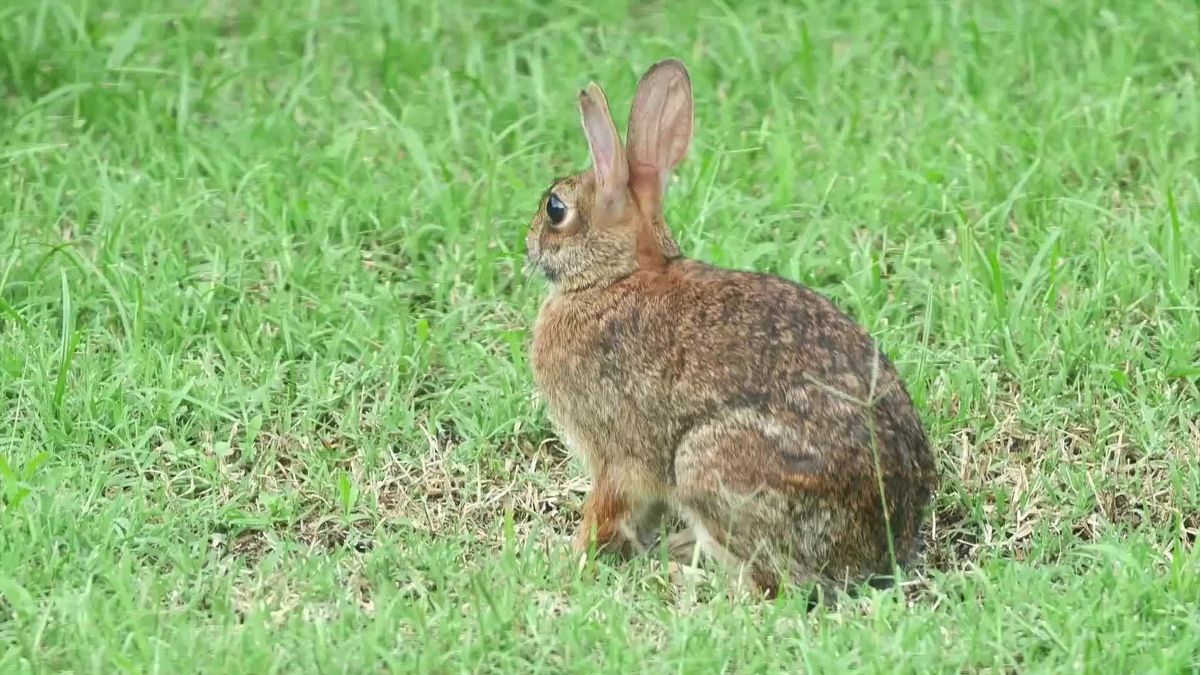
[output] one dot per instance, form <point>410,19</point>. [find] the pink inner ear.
<point>608,154</point>
<point>603,150</point>
<point>676,125</point>
<point>644,176</point>
<point>660,128</point>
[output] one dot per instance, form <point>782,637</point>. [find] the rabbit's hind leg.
<point>722,490</point>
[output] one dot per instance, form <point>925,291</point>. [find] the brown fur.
<point>749,403</point>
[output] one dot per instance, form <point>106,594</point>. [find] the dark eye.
<point>555,209</point>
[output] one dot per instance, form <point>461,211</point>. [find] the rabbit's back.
<point>637,370</point>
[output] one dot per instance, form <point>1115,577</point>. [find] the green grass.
<point>264,398</point>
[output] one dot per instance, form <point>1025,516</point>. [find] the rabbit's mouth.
<point>535,264</point>
<point>535,261</point>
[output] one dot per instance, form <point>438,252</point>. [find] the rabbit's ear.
<point>608,155</point>
<point>660,129</point>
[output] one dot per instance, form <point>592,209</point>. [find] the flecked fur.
<point>747,403</point>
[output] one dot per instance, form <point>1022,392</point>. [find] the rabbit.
<point>748,404</point>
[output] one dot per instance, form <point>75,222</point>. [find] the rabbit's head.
<point>606,222</point>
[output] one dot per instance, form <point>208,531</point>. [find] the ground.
<point>265,403</point>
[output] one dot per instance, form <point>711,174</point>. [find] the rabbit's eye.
<point>555,209</point>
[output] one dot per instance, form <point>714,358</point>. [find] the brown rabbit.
<point>762,414</point>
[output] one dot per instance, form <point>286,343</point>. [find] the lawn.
<point>265,399</point>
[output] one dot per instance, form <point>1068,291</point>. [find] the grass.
<point>264,398</point>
